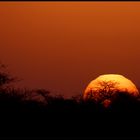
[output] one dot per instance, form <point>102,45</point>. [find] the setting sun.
<point>69,69</point>
<point>104,87</point>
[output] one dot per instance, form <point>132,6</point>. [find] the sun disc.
<point>109,83</point>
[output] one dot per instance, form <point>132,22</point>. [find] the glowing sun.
<point>104,87</point>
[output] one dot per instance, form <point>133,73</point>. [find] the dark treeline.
<point>37,113</point>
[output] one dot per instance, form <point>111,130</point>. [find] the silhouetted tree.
<point>5,77</point>
<point>104,90</point>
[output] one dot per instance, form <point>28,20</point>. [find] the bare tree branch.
<point>104,90</point>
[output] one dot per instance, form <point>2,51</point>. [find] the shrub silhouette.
<point>22,98</point>
<point>58,114</point>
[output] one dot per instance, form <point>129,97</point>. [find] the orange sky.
<point>62,46</point>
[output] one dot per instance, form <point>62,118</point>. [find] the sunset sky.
<point>62,46</point>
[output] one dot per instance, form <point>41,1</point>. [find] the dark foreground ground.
<point>68,119</point>
<point>65,125</point>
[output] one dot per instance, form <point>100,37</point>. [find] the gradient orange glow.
<point>61,46</point>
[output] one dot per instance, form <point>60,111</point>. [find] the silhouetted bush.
<point>58,115</point>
